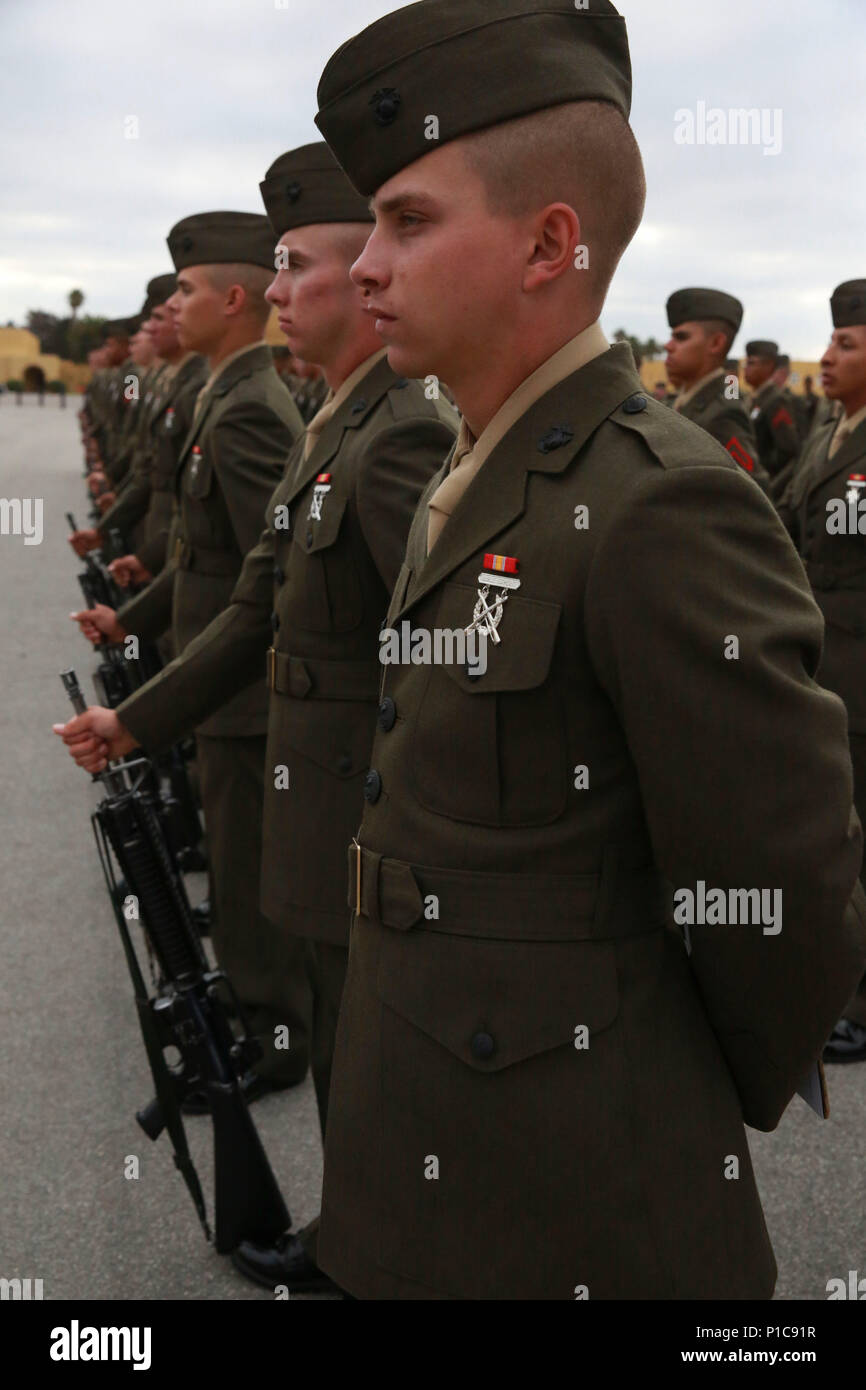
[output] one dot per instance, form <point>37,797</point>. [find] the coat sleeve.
<point>223,659</point>
<point>704,634</point>
<point>148,615</point>
<point>395,469</point>
<point>131,503</point>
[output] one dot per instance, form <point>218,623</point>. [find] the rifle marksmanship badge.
<point>500,575</point>
<point>169,419</point>
<point>320,492</point>
<point>196,460</point>
<point>856,484</point>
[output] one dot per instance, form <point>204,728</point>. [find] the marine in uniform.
<point>536,1080</point>
<point>129,509</point>
<point>704,324</point>
<point>773,420</point>
<point>182,379</point>
<point>315,590</point>
<point>825,511</point>
<point>243,428</point>
<point>107,407</point>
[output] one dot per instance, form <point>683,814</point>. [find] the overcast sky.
<point>221,87</point>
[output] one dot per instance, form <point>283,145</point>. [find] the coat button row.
<point>275,621</point>
<point>279,576</point>
<point>372,786</point>
<point>387,715</point>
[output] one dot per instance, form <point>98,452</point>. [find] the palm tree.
<point>76,299</point>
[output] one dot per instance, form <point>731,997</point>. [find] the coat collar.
<point>354,411</point>
<point>852,451</point>
<point>546,439</point>
<point>258,359</point>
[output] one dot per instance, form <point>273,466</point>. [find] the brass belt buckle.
<point>272,668</point>
<point>357,876</point>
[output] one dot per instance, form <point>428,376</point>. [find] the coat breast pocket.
<point>326,588</point>
<point>489,748</point>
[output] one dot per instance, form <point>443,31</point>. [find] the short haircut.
<point>253,280</point>
<point>350,238</point>
<point>711,326</point>
<point>582,153</point>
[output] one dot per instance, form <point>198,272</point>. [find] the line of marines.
<point>496,904</point>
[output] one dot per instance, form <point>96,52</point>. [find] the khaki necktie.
<point>838,440</point>
<point>200,400</point>
<point>317,424</point>
<point>444,501</point>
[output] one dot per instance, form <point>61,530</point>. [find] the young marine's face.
<point>317,304</point>
<point>161,329</point>
<point>843,366</point>
<point>141,349</point>
<point>197,310</point>
<point>688,354</point>
<point>757,371</point>
<point>115,351</point>
<point>442,271</point>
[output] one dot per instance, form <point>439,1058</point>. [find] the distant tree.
<point>49,329</point>
<point>652,349</point>
<point>76,299</point>
<point>620,336</point>
<point>82,335</point>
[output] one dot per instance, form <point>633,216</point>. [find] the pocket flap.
<point>527,630</point>
<point>332,734</point>
<point>494,1003</point>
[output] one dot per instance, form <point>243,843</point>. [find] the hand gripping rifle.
<point>116,678</point>
<point>96,583</point>
<point>185,1012</point>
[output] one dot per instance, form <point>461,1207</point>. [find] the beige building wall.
<point>19,349</point>
<point>654,371</point>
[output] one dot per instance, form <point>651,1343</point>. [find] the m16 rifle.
<point>184,1012</point>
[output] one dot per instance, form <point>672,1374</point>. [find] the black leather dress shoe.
<point>284,1262</point>
<point>847,1042</point>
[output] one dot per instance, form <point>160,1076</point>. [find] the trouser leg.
<point>265,964</point>
<point>327,967</point>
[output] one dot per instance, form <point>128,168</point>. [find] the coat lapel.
<point>824,467</point>
<point>571,411</point>
<point>244,366</point>
<point>352,413</point>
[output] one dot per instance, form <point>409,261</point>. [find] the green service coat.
<point>536,1088</point>
<point>728,422</point>
<point>230,462</point>
<point>316,589</point>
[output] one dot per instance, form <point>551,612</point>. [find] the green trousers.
<point>266,965</point>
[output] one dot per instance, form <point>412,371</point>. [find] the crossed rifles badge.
<point>500,573</point>
<point>854,491</point>
<point>320,492</point>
